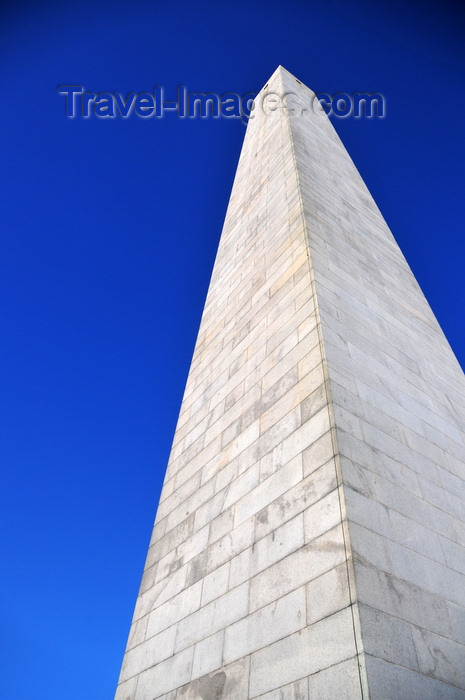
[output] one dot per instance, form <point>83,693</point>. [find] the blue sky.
<point>108,237</point>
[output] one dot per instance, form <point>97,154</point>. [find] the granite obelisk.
<point>309,541</point>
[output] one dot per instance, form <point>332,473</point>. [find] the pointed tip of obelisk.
<point>281,73</point>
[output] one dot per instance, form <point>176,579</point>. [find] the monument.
<point>309,538</point>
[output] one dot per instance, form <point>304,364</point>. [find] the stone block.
<point>439,657</point>
<point>126,690</point>
<point>220,552</point>
<point>292,691</point>
<point>138,632</point>
<point>387,637</point>
<point>387,681</point>
<point>228,683</point>
<point>307,434</point>
<point>328,594</point>
<point>213,617</point>
<point>265,626</point>
<point>165,676</point>
<point>184,603</point>
<point>208,655</point>
<point>300,567</point>
<point>268,550</point>
<point>215,583</point>
<point>395,596</point>
<point>318,452</point>
<point>295,500</point>
<point>369,548</point>
<point>268,490</point>
<point>301,654</point>
<point>326,512</point>
<point>341,681</point>
<point>148,653</point>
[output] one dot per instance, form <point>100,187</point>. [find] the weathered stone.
<point>309,538</point>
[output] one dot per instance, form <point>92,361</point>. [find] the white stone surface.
<point>341,681</point>
<point>301,654</point>
<point>309,541</point>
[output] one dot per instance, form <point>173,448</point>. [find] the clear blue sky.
<point>109,230</point>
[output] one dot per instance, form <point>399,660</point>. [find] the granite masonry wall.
<point>309,538</point>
